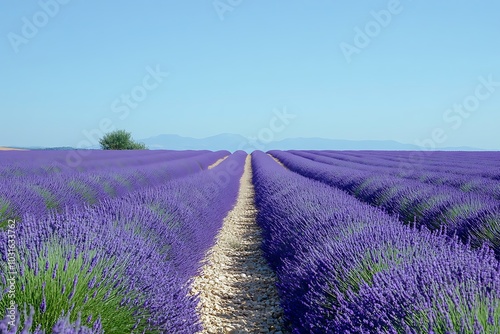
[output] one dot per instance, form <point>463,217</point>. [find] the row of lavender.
<point>475,218</point>
<point>36,192</point>
<point>124,265</point>
<point>347,267</point>
<point>478,163</point>
<point>469,178</point>
<point>52,162</point>
<point>456,161</point>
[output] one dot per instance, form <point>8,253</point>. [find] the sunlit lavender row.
<point>474,217</point>
<point>347,267</point>
<point>47,162</point>
<point>122,265</point>
<point>473,172</point>
<point>360,241</point>
<point>38,183</point>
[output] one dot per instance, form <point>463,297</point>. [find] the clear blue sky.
<point>227,76</point>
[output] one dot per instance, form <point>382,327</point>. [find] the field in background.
<point>360,241</point>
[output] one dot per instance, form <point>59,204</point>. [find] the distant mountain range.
<point>233,142</point>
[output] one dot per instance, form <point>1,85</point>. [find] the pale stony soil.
<point>217,162</point>
<point>236,287</point>
<point>10,149</point>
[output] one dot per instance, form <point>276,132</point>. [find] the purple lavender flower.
<point>92,282</point>
<point>345,266</point>
<point>428,204</point>
<point>71,294</point>
<point>75,281</point>
<point>66,265</point>
<point>54,272</point>
<point>138,239</point>
<point>43,305</point>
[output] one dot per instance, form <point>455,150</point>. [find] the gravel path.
<point>215,164</point>
<point>237,288</point>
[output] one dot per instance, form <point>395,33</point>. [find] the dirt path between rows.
<point>215,164</point>
<point>237,288</point>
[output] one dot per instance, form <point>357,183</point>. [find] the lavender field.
<point>356,241</point>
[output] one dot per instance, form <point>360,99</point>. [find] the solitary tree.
<point>120,140</point>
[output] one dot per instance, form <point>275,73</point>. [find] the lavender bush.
<point>468,171</point>
<point>38,193</point>
<point>347,267</point>
<point>123,265</point>
<point>472,217</point>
